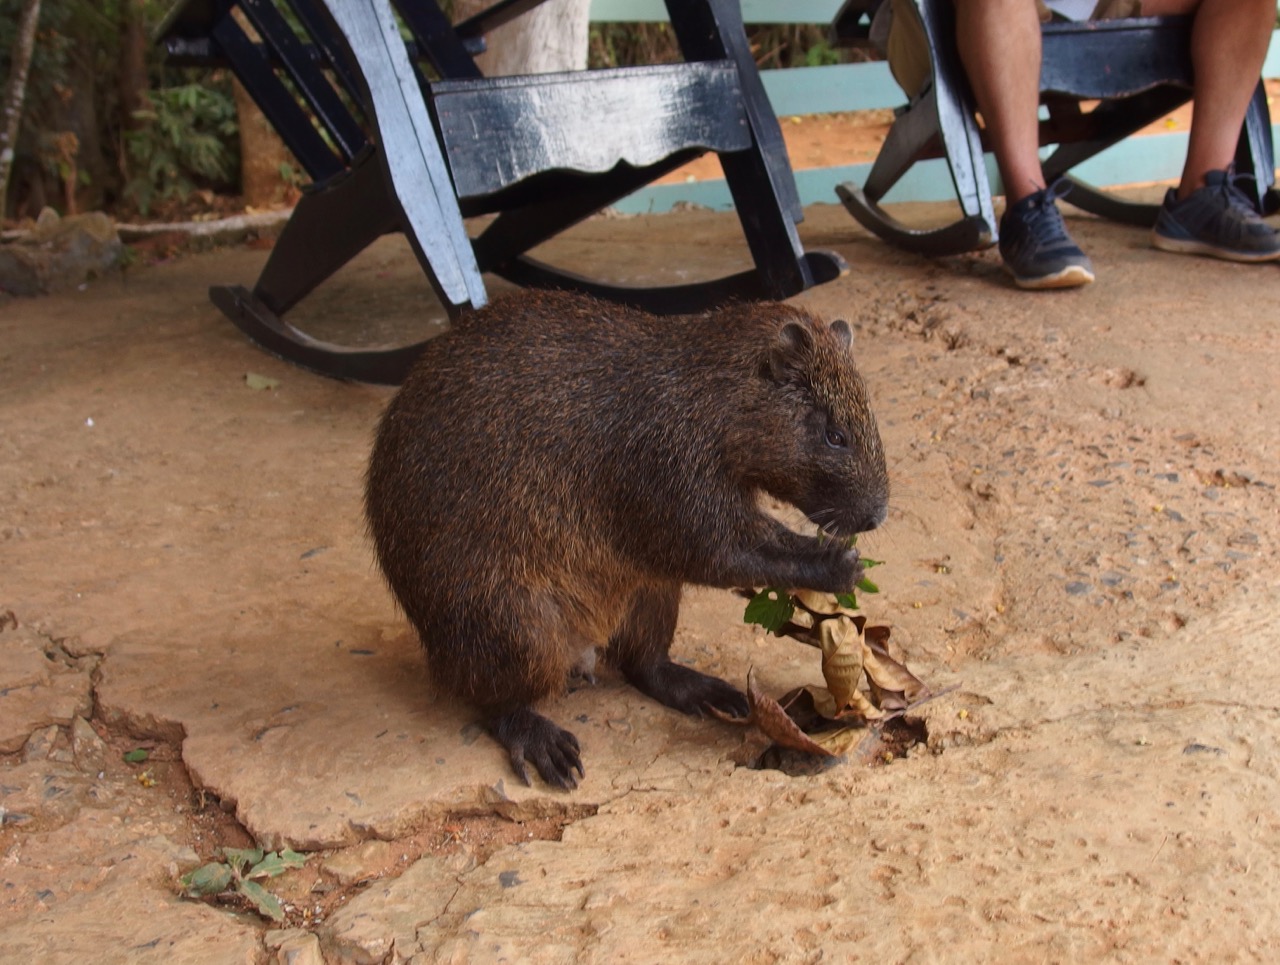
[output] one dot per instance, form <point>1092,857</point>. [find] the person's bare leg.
<point>1229,40</point>
<point>999,44</point>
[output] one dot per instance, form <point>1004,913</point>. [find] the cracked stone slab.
<point>1115,823</point>
<point>102,888</point>
<point>207,539</point>
<point>333,745</point>
<point>382,922</point>
<point>35,690</point>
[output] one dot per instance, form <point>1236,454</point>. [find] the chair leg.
<point>410,151</point>
<point>380,366</point>
<point>760,179</point>
<point>957,125</point>
<point>943,115</point>
<point>1255,154</point>
<point>912,136</point>
<point>330,225</point>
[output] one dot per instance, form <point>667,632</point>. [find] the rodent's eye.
<point>836,439</point>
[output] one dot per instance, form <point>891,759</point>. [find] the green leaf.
<point>239,857</point>
<point>866,586</point>
<point>136,756</point>
<point>770,608</point>
<point>266,903</point>
<point>847,600</point>
<point>868,564</point>
<point>275,864</point>
<point>211,879</point>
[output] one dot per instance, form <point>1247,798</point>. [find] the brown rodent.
<point>555,468</point>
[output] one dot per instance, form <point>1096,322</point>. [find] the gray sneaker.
<point>1217,220</point>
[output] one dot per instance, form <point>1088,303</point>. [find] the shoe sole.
<point>1192,247</point>
<point>1073,276</point>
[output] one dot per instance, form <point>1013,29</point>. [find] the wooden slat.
<point>833,89</point>
<point>1156,157</point>
<point>753,11</point>
<point>856,87</point>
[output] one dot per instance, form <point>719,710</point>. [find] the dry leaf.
<point>815,602</point>
<point>769,716</point>
<point>890,681</point>
<point>821,700</point>
<point>840,741</point>
<point>841,659</point>
<point>260,382</point>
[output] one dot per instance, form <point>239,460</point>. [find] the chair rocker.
<point>407,135</point>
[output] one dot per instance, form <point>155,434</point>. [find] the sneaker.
<point>1217,220</point>
<point>1035,246</point>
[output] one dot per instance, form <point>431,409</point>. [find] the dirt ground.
<point>1082,543</point>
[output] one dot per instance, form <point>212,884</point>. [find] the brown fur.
<point>556,468</point>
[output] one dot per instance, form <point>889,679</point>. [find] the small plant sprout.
<point>239,873</point>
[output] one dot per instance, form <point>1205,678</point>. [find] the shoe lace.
<point>1235,198</point>
<point>1043,220</point>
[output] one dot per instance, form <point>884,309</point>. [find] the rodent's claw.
<point>557,761</point>
<point>688,690</point>
<point>517,764</point>
<point>530,737</point>
<point>726,700</point>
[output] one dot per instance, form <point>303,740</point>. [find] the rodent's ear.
<point>843,333</point>
<point>789,350</point>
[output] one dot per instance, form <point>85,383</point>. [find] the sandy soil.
<point>1082,544</point>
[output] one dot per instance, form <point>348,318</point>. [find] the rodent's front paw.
<point>840,568</point>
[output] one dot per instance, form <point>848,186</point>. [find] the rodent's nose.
<point>873,519</point>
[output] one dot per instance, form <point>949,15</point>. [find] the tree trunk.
<point>264,159</point>
<point>132,82</point>
<point>16,92</point>
<point>550,37</point>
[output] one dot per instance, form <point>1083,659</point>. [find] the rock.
<point>294,946</point>
<point>352,864</point>
<point>39,746</point>
<point>381,923</point>
<point>60,254</point>
<point>88,750</point>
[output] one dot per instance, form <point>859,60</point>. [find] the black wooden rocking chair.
<point>1139,69</point>
<point>406,135</point>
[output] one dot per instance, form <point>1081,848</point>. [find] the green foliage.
<point>54,50</point>
<point>771,608</point>
<point>238,875</point>
<point>136,756</point>
<point>631,44</point>
<point>821,54</point>
<point>793,45</point>
<point>773,45</point>
<point>186,139</point>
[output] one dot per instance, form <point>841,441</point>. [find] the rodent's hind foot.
<point>530,737</point>
<point>687,690</point>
